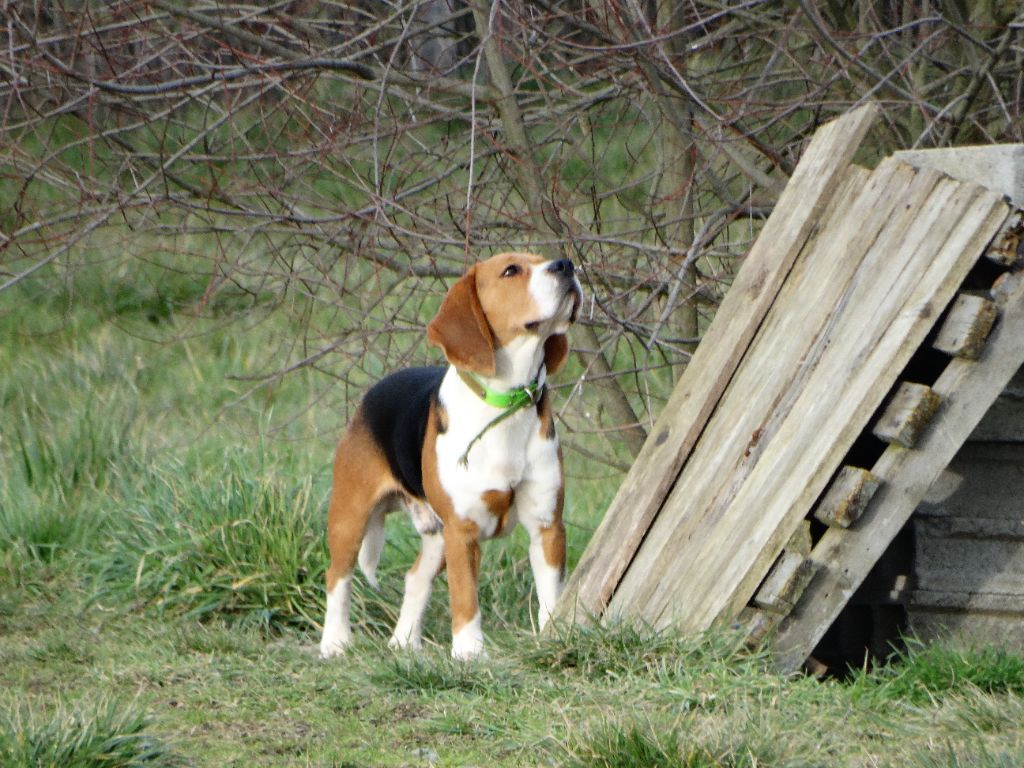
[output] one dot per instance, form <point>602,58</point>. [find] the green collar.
<point>513,400</point>
<point>509,402</point>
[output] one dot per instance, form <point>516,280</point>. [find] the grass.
<point>99,735</point>
<point>161,560</point>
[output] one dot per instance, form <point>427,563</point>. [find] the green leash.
<point>511,401</point>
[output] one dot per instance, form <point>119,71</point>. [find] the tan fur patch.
<point>498,504</point>
<point>461,328</point>
<point>556,352</point>
<point>553,539</point>
<point>546,417</point>
<point>553,536</point>
<point>462,553</point>
<point>506,300</point>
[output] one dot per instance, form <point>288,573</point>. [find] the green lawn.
<point>161,561</point>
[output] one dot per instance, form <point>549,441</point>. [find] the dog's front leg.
<point>462,553</point>
<point>539,503</point>
<point>547,561</point>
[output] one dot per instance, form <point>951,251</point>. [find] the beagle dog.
<point>469,449</point>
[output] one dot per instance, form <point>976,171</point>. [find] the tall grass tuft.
<point>103,735</point>
<point>39,527</point>
<point>60,462</point>
<point>225,539</point>
<point>71,449</point>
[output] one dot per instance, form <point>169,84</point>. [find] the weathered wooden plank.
<point>996,166</point>
<point>710,570</point>
<point>907,415</point>
<point>1008,248</point>
<point>967,326</point>
<point>1005,286</point>
<point>754,625</point>
<point>817,176</point>
<point>847,497</point>
<point>784,584</point>
<point>967,388</point>
<point>786,350</point>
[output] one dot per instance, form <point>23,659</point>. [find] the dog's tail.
<point>373,543</point>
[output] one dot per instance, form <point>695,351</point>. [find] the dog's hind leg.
<point>419,583</point>
<point>373,543</point>
<point>362,480</point>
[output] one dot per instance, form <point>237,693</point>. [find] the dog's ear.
<point>556,352</point>
<point>460,328</point>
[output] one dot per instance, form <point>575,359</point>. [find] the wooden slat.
<point>967,388</point>
<point>800,542</point>
<point>1008,248</point>
<point>786,349</point>
<point>784,584</point>
<point>821,169</point>
<point>999,167</point>
<point>1005,286</point>
<point>754,625</point>
<point>713,550</point>
<point>969,322</point>
<point>907,415</point>
<point>847,497</point>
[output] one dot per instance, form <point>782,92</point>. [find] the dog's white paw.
<point>468,642</point>
<point>405,643</point>
<point>334,645</point>
<point>469,653</point>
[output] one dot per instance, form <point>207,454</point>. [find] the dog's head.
<point>509,296</point>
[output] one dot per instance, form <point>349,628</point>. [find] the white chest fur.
<point>513,454</point>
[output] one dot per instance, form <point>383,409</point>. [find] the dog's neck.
<point>517,364</point>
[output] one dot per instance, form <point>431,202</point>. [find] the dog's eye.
<point>511,270</point>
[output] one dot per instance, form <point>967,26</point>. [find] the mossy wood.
<point>964,332</point>
<point>907,415</point>
<point>847,497</point>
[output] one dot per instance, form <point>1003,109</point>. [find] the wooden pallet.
<point>813,185</point>
<point>843,557</point>
<point>851,274</point>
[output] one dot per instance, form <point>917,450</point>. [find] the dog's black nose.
<point>562,267</point>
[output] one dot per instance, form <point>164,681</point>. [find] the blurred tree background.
<point>326,167</point>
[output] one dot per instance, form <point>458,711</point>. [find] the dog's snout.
<point>562,267</point>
